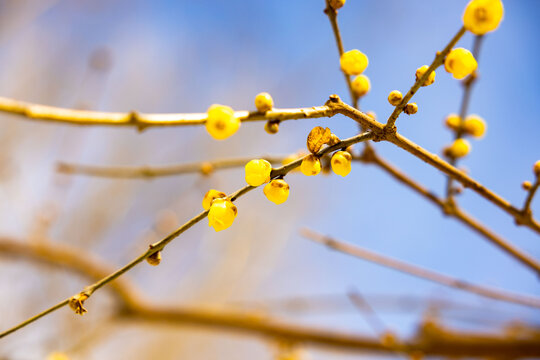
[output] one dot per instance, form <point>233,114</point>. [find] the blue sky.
<point>182,56</point>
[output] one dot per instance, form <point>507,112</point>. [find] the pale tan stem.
<point>419,272</point>
<point>150,172</point>
<point>145,120</point>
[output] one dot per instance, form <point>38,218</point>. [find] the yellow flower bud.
<point>341,163</point>
<point>277,191</point>
<point>210,196</point>
<point>474,125</point>
<point>421,71</point>
<point>536,168</point>
<point>410,109</point>
<point>336,4</point>
<point>460,63</point>
<point>526,185</point>
<point>271,127</point>
<point>353,62</point>
<point>361,85</point>
<point>395,97</point>
<point>258,172</point>
<point>372,115</point>
<point>453,121</point>
<point>264,102</point>
<point>221,122</point>
<point>482,16</point>
<point>311,165</point>
<point>459,148</point>
<point>222,214</point>
<point>154,259</point>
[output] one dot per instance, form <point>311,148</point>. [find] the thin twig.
<point>160,245</point>
<point>60,255</point>
<point>464,108</point>
<point>439,59</point>
<point>149,172</point>
<point>332,16</point>
<point>451,210</point>
<point>528,200</point>
<point>375,322</point>
<point>142,120</point>
<point>421,272</point>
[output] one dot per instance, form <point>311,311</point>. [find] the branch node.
<point>334,99</point>
<point>449,207</point>
<point>134,119</point>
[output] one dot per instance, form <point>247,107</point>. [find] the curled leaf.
<point>317,137</point>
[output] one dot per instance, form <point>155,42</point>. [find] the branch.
<point>450,209</point>
<point>142,120</point>
<point>441,342</point>
<point>528,201</point>
<point>76,260</point>
<point>205,168</point>
<point>332,16</point>
<point>369,314</point>
<point>439,59</point>
<point>383,134</point>
<point>467,92</point>
<point>160,245</point>
<point>421,272</point>
<point>437,343</point>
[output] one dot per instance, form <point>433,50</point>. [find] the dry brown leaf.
<point>317,137</point>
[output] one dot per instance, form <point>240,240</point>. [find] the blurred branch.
<point>133,307</point>
<point>205,168</point>
<point>68,257</point>
<point>371,317</point>
<point>436,343</point>
<point>467,91</point>
<point>453,210</point>
<point>439,59</point>
<point>142,120</point>
<point>421,272</point>
<point>160,245</point>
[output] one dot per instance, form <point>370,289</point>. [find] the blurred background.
<point>183,56</point>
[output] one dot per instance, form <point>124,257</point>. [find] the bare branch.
<point>141,120</point>
<point>149,172</point>
<point>467,92</point>
<point>421,272</point>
